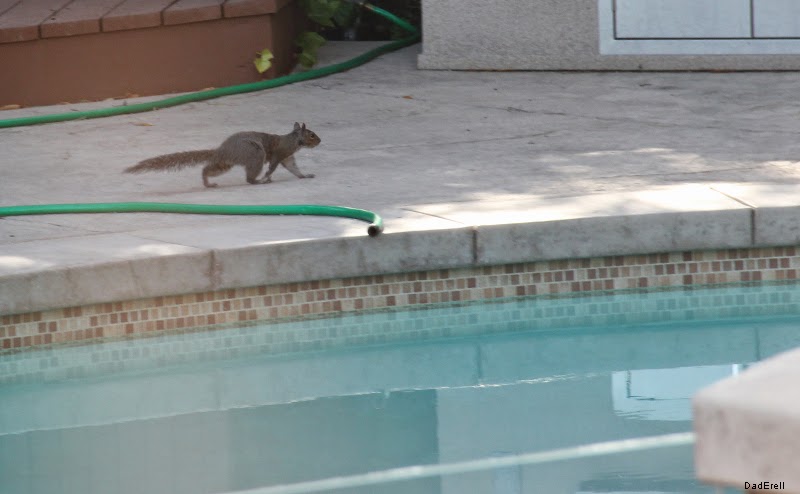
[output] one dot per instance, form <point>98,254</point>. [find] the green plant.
<point>309,43</point>
<point>330,13</point>
<point>326,13</point>
<point>331,16</point>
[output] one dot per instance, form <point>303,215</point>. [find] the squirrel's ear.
<point>296,126</point>
<point>304,126</point>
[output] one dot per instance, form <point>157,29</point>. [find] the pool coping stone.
<point>125,266</point>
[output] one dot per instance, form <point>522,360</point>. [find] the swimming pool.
<point>265,405</point>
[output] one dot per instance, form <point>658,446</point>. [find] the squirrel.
<point>249,149</point>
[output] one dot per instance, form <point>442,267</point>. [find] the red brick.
<point>21,22</point>
<point>135,14</point>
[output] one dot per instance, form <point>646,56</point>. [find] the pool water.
<point>221,411</point>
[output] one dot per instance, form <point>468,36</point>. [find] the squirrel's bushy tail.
<point>172,162</point>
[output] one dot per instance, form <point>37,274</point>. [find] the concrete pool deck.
<point>466,168</point>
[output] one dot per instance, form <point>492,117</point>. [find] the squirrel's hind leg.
<point>253,161</point>
<point>214,170</point>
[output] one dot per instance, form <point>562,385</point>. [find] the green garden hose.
<point>375,221</point>
<point>230,90</point>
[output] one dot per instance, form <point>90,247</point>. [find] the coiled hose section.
<point>375,221</point>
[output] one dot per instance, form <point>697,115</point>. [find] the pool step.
<point>56,51</point>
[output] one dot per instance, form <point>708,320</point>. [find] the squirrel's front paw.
<point>308,175</point>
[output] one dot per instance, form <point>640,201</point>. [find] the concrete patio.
<point>432,151</point>
<point>465,167</point>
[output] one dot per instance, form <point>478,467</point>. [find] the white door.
<point>776,18</point>
<point>676,19</point>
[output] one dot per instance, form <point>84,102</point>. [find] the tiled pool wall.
<point>266,303</point>
<point>726,309</point>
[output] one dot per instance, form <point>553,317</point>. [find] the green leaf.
<point>345,15</point>
<point>307,59</point>
<point>309,41</point>
<point>321,11</point>
<point>263,61</point>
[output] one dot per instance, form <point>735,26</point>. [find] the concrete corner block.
<point>105,282</point>
<point>74,271</point>
<point>777,226</point>
<point>613,235</point>
<point>15,294</point>
<point>776,217</point>
<point>747,427</point>
<point>163,275</point>
<point>513,34</point>
<point>342,257</point>
<point>65,287</point>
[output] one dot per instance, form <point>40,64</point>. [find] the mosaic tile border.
<point>329,297</point>
<point>360,329</point>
